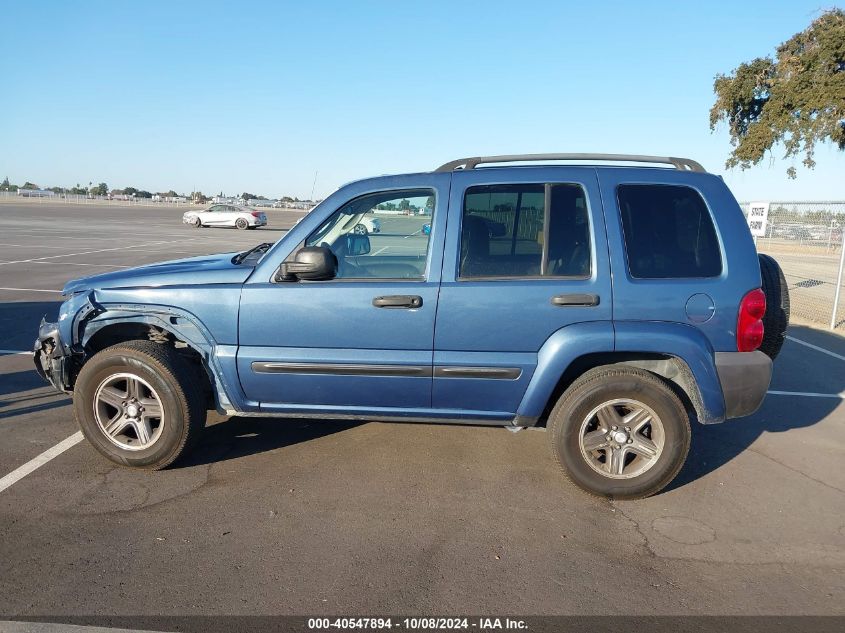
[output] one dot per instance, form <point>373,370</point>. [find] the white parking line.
<point>102,250</point>
<point>36,463</point>
<point>809,394</point>
<point>81,264</point>
<point>12,351</point>
<point>815,347</point>
<point>39,246</point>
<point>58,292</point>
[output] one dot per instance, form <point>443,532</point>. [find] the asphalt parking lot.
<point>290,517</point>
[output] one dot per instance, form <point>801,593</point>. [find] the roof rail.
<point>684,164</point>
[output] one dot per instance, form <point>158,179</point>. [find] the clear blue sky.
<point>258,96</point>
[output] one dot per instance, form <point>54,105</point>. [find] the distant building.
<point>36,193</point>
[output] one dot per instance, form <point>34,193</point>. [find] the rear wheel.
<point>139,404</point>
<point>360,229</point>
<point>776,319</point>
<point>620,432</point>
<point>242,224</point>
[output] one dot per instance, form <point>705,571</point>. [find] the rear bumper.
<point>745,378</point>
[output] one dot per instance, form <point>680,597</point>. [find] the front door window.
<point>380,236</point>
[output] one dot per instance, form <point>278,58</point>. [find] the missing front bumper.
<point>51,362</point>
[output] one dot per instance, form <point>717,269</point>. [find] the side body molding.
<point>556,354</point>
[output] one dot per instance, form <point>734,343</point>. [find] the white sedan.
<point>366,225</point>
<point>226,215</point>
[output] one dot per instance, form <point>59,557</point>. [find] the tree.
<point>796,100</point>
<point>7,186</point>
<point>100,190</point>
<point>29,185</point>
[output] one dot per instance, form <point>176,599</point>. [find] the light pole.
<point>838,281</point>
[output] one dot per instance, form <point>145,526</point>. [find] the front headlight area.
<point>54,357</point>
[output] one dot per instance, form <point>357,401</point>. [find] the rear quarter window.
<point>669,233</point>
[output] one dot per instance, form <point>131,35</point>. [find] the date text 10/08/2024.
<point>423,623</point>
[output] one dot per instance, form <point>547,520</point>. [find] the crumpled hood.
<point>206,269</point>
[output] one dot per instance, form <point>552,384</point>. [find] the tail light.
<point>749,327</point>
<point>256,214</point>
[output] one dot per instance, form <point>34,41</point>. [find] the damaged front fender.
<point>57,353</point>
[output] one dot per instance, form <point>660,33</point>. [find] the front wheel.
<point>620,432</point>
<point>138,404</point>
<point>197,223</point>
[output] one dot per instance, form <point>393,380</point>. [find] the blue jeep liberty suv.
<point>606,301</point>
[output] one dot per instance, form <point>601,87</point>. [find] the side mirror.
<point>312,263</point>
<point>357,244</point>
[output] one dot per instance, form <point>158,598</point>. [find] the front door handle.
<point>575,300</point>
<point>398,301</point>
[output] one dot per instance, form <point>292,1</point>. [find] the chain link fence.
<point>72,198</point>
<point>806,240</point>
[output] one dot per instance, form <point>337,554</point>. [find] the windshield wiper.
<point>261,248</point>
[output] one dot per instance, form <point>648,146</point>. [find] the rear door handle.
<point>575,300</point>
<point>398,301</point>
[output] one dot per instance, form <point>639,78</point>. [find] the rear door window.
<point>507,231</point>
<point>669,233</point>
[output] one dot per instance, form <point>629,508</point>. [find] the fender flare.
<point>684,343</point>
<point>559,351</point>
<point>688,344</point>
<point>183,325</point>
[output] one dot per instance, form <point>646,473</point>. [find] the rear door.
<point>526,255</point>
<point>229,215</point>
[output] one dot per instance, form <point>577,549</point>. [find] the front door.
<point>362,342</point>
<point>219,214</point>
<point>526,255</point>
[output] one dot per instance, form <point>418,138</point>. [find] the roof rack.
<point>684,164</point>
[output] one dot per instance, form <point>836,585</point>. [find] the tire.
<point>625,390</point>
<point>165,379</point>
<point>241,224</point>
<point>776,319</point>
<point>197,223</point>
<point>360,229</point>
